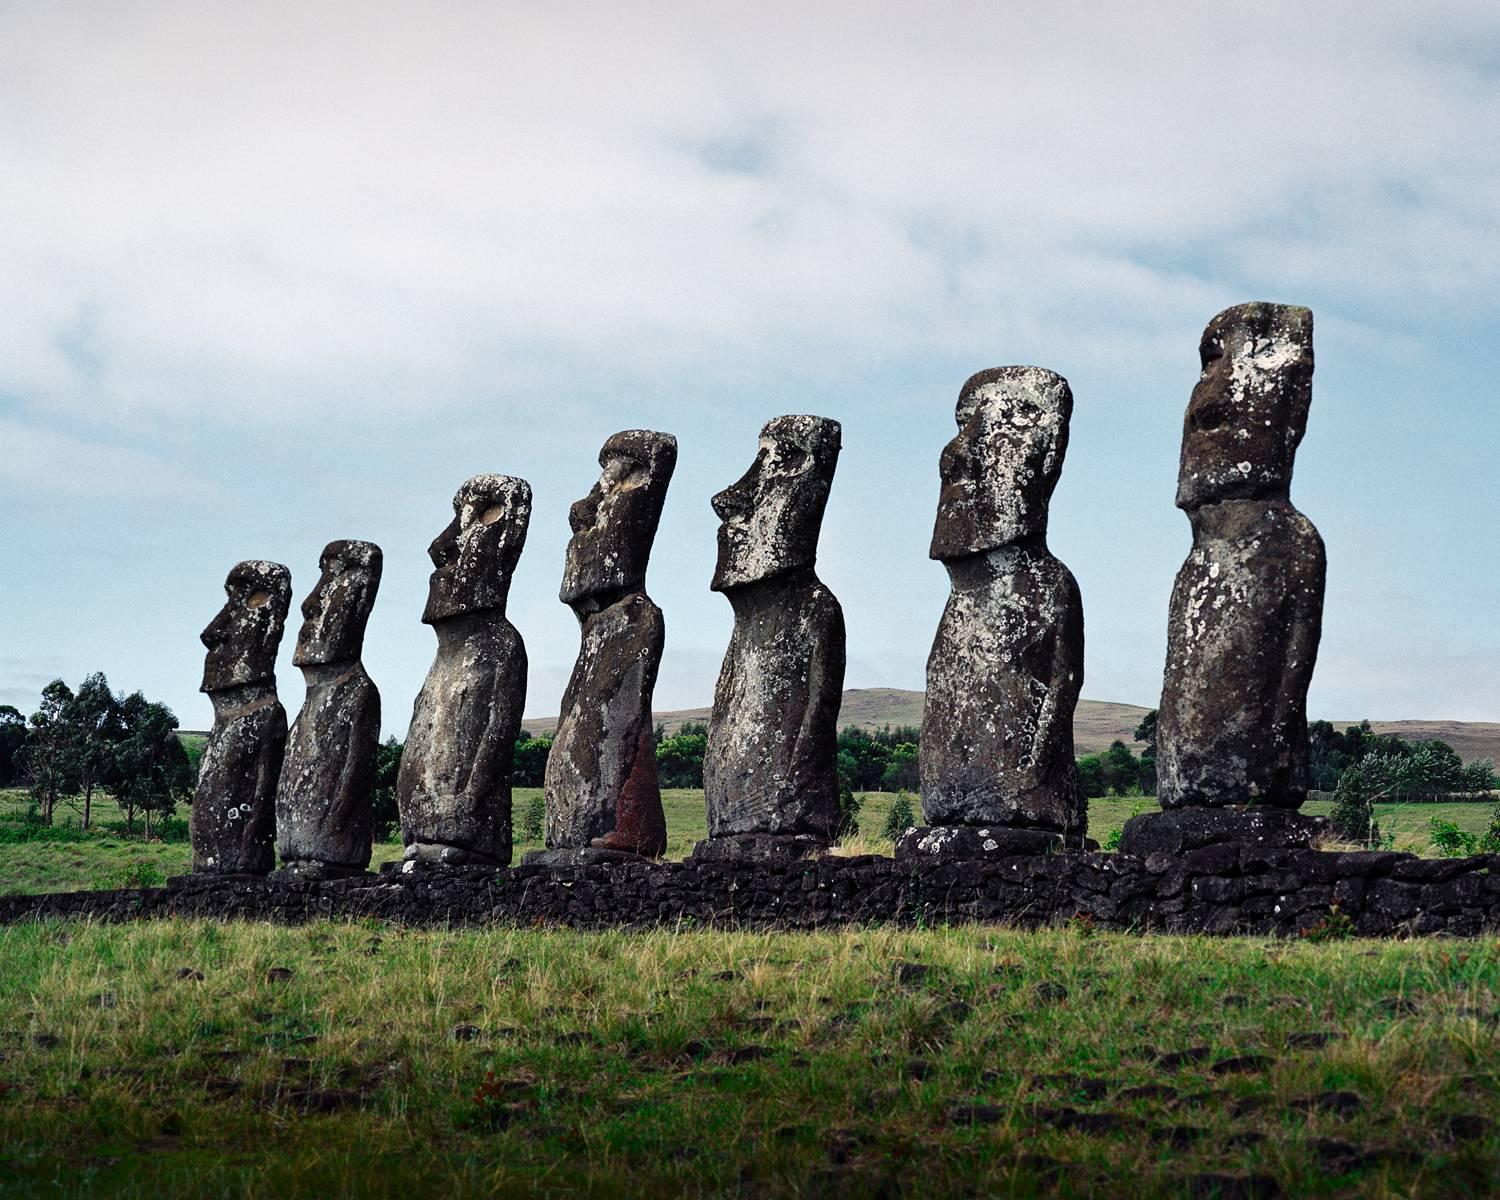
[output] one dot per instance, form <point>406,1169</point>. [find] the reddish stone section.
<point>603,798</point>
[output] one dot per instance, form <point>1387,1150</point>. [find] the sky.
<point>277,274</point>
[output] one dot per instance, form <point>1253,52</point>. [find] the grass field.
<point>203,1060</point>
<point>69,860</point>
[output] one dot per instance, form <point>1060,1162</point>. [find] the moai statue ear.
<point>997,768</point>
<point>1247,607</point>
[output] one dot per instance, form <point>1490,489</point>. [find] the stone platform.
<point>1221,888</point>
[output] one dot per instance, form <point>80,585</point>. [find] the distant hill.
<point>1095,725</point>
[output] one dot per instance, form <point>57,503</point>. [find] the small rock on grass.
<point>464,1033</point>
<point>976,1114</point>
<point>192,974</point>
<point>279,974</point>
<point>1210,1186</point>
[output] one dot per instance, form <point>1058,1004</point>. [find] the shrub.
<point>899,819</point>
<point>1490,843</point>
<point>1353,815</point>
<point>1451,841</point>
<point>849,806</point>
<point>135,875</point>
<point>534,819</point>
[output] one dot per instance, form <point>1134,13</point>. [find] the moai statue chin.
<point>233,819</point>
<point>326,788</point>
<point>997,769</point>
<point>1247,607</point>
<point>454,785</point>
<point>769,775</point>
<point>602,795</point>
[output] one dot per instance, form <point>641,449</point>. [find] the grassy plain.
<point>204,1060</point>
<point>69,860</point>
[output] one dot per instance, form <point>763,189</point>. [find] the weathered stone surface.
<point>1246,610</point>
<point>974,841</point>
<point>1181,830</point>
<point>1025,890</point>
<point>453,788</point>
<point>601,783</point>
<point>324,795</point>
<point>1006,666</point>
<point>233,820</point>
<point>761,847</point>
<point>769,765</point>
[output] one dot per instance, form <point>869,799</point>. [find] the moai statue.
<point>233,819</point>
<point>1247,607</point>
<point>454,784</point>
<point>997,769</point>
<point>326,789</point>
<point>603,798</point>
<point>769,775</point>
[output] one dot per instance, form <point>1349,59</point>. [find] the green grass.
<point>397,1063</point>
<point>105,857</point>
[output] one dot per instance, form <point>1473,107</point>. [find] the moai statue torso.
<point>1247,605</point>
<point>1006,667</point>
<point>233,819</point>
<point>601,783</point>
<point>769,774</point>
<point>326,789</point>
<point>454,784</point>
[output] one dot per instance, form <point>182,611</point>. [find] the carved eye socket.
<point>492,514</point>
<point>258,600</point>
<point>1210,417</point>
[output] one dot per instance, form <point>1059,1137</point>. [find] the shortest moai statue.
<point>603,798</point>
<point>770,777</point>
<point>997,770</point>
<point>325,795</point>
<point>233,819</point>
<point>453,788</point>
<point>1247,607</point>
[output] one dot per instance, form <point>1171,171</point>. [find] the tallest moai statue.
<point>1247,606</point>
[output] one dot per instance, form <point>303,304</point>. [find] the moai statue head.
<point>477,554</point>
<point>770,519</point>
<point>615,524</point>
<point>243,639</point>
<point>336,611</point>
<point>999,472</point>
<point>1249,409</point>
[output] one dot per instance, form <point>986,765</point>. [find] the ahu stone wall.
<point>1222,889</point>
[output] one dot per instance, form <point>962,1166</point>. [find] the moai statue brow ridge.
<point>769,775</point>
<point>454,788</point>
<point>233,820</point>
<point>997,769</point>
<point>326,790</point>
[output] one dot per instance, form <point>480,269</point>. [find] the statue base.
<point>1178,830</point>
<point>924,843</point>
<point>438,854</point>
<point>316,872</point>
<point>760,847</point>
<point>579,856</point>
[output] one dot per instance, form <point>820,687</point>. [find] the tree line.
<point>79,745</point>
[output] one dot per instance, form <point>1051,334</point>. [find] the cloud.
<point>51,463</point>
<point>275,211</point>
